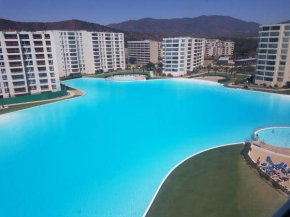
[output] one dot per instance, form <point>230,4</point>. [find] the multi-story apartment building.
<point>216,47</point>
<point>143,51</point>
<point>159,50</point>
<point>273,62</point>
<point>182,55</point>
<point>108,51</point>
<point>32,62</point>
<point>28,63</point>
<point>81,52</point>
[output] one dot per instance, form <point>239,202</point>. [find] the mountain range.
<point>71,25</point>
<point>203,26</point>
<point>214,26</point>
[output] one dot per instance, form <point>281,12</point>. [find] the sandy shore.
<point>210,78</point>
<point>127,77</point>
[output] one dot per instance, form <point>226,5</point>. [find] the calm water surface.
<point>106,153</point>
<point>278,137</point>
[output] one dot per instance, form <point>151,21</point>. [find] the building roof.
<point>223,59</point>
<point>244,60</point>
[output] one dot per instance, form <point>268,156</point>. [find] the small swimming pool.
<point>276,136</point>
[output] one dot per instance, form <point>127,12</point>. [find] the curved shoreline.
<point>48,103</point>
<point>267,128</point>
<point>177,165</point>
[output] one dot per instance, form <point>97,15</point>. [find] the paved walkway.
<point>257,88</point>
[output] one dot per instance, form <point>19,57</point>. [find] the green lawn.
<point>215,183</point>
<point>26,106</point>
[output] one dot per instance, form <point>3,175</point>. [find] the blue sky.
<point>110,11</point>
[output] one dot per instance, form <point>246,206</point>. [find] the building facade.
<point>82,52</point>
<point>28,63</point>
<point>216,47</point>
<point>33,62</point>
<point>273,61</point>
<point>182,55</point>
<point>159,50</point>
<point>143,51</point>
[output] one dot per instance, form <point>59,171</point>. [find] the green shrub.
<point>275,184</point>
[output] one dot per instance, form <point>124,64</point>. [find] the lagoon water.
<point>105,154</point>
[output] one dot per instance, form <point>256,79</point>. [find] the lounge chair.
<point>269,160</point>
<point>268,170</point>
<point>284,171</point>
<point>284,179</point>
<point>264,164</point>
<point>278,166</point>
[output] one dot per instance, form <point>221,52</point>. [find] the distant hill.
<point>203,26</point>
<point>8,25</point>
<point>285,22</point>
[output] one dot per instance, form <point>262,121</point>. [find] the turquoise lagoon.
<point>105,154</point>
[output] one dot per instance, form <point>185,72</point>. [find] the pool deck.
<point>277,158</point>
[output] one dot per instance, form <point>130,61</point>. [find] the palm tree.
<point>226,70</point>
<point>208,68</point>
<point>215,69</point>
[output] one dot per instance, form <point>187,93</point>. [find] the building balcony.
<point>14,58</point>
<point>38,36</point>
<point>10,36</point>
<point>11,43</point>
<point>15,64</point>
<point>39,50</point>
<point>40,56</point>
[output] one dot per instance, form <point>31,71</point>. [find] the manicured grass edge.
<point>177,165</point>
<point>38,104</point>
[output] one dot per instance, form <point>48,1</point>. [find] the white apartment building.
<point>32,62</point>
<point>273,62</point>
<point>28,63</point>
<point>82,52</point>
<point>216,47</point>
<point>182,55</point>
<point>143,51</point>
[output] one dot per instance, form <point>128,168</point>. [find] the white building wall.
<point>35,64</point>
<point>216,47</point>
<point>92,52</point>
<point>273,61</point>
<point>28,64</point>
<point>182,55</point>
